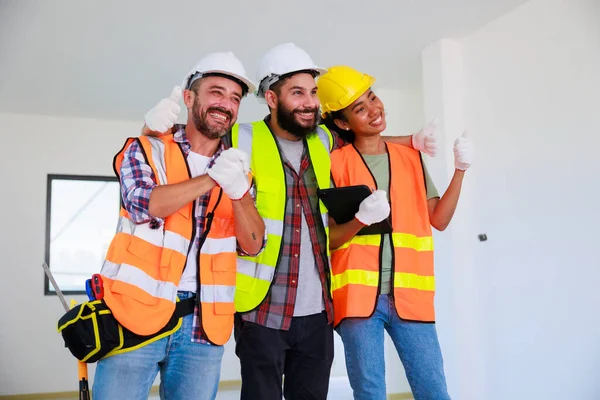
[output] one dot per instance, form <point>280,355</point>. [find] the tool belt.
<point>91,331</point>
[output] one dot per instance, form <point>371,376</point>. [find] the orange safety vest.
<point>143,266</point>
<point>356,265</point>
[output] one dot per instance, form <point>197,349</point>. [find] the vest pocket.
<point>244,285</point>
<point>133,292</point>
<point>220,265</point>
<point>185,211</point>
<point>153,260</point>
<point>269,195</point>
<point>165,264</point>
<point>143,249</point>
<point>224,274</point>
<point>225,308</point>
<point>222,227</point>
<point>223,271</point>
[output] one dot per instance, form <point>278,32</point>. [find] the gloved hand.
<point>230,171</point>
<point>163,116</point>
<point>425,139</point>
<point>374,208</point>
<point>463,152</point>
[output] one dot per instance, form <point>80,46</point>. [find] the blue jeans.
<point>417,345</point>
<point>188,370</point>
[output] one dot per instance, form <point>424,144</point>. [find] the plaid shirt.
<point>277,310</point>
<point>138,181</point>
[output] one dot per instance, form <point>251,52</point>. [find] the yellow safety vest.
<point>255,274</point>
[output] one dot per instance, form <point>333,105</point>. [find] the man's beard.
<point>287,121</point>
<point>210,131</point>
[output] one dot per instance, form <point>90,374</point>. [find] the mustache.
<point>221,110</point>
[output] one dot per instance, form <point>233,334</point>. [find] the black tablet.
<point>343,202</point>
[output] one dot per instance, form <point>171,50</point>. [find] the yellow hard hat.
<point>340,87</point>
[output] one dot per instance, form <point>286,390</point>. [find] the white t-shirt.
<point>198,166</point>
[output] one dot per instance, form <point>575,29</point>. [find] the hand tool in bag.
<point>97,287</point>
<point>82,370</point>
<point>88,290</point>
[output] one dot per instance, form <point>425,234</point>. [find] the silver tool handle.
<point>58,292</point>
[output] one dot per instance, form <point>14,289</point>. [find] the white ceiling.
<point>114,59</point>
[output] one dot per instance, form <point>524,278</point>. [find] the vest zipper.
<point>382,235</point>
<point>284,208</point>
<point>392,286</point>
<point>326,259</point>
<point>208,223</point>
<point>202,239</point>
<point>194,205</point>
<point>380,271</point>
<point>391,294</point>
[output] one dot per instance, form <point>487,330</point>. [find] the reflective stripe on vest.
<point>356,265</point>
<point>143,266</point>
<point>255,274</point>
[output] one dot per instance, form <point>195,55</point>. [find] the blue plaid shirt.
<point>137,182</point>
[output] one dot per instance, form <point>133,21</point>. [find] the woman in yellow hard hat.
<point>385,281</point>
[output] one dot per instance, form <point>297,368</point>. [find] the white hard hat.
<point>280,60</point>
<point>219,63</point>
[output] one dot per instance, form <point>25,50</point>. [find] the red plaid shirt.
<point>277,310</point>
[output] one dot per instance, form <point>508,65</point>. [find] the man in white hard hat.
<point>285,314</point>
<point>284,320</point>
<point>186,215</point>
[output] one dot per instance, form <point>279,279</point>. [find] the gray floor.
<point>339,389</point>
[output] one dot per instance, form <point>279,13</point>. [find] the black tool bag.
<point>91,331</point>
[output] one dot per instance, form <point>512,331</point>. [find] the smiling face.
<point>215,104</point>
<point>365,116</point>
<point>295,104</point>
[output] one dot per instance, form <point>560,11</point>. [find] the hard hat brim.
<point>318,71</point>
<point>351,99</point>
<point>248,82</point>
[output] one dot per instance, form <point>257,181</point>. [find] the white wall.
<point>404,110</point>
<point>443,99</point>
<point>34,359</point>
<point>527,87</point>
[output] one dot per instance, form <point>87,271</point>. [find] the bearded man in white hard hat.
<point>283,298</point>
<point>170,272</point>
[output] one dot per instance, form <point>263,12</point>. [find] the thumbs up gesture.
<point>163,116</point>
<point>463,152</point>
<point>425,139</point>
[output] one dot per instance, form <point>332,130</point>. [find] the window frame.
<point>49,180</point>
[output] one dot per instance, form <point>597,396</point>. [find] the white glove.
<point>374,208</point>
<point>463,152</point>
<point>425,139</point>
<point>163,116</point>
<point>230,171</point>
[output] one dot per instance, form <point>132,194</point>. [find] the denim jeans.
<point>417,345</point>
<point>188,370</point>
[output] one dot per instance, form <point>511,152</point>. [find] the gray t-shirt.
<point>309,285</point>
<point>379,166</point>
